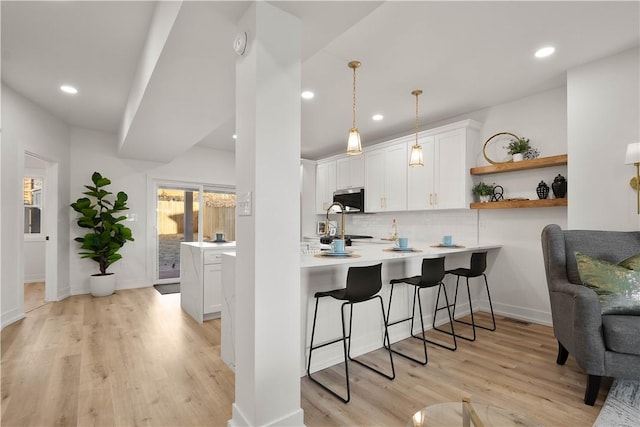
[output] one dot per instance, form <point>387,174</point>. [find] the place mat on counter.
<point>336,256</point>
<point>447,246</point>
<point>400,252</point>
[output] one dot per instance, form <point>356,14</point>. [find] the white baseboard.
<point>295,418</point>
<point>12,316</point>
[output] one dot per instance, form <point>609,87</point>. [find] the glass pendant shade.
<point>353,143</point>
<point>416,156</point>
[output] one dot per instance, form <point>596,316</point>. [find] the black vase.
<point>559,186</point>
<point>542,190</point>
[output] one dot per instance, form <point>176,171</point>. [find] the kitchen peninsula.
<point>321,273</point>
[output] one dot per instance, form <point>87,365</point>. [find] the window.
<point>32,195</point>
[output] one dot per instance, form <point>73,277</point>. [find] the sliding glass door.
<point>189,213</point>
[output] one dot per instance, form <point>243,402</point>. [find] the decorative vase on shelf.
<point>559,186</point>
<point>484,198</point>
<point>542,190</point>
<point>518,157</point>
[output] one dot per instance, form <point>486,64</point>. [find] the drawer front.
<point>212,257</point>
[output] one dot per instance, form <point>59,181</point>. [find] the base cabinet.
<point>201,278</point>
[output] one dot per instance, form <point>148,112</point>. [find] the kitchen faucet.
<point>341,206</point>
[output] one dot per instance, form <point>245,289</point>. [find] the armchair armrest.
<point>577,324</point>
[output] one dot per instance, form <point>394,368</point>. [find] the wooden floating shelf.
<point>511,204</point>
<point>542,162</point>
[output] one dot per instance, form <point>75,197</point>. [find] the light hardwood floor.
<point>33,296</point>
<point>134,358</point>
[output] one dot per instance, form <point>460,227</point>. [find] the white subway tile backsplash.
<point>427,226</point>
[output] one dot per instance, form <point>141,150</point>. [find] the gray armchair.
<point>606,345</point>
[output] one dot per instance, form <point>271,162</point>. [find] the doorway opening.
<point>189,213</point>
<point>39,190</point>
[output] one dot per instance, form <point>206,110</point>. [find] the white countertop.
<point>376,252</point>
<point>207,245</point>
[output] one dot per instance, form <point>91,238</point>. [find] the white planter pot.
<point>518,157</point>
<point>102,286</point>
<point>484,199</point>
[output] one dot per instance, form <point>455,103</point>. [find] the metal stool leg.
<point>435,313</point>
<point>393,371</point>
<point>387,324</point>
<point>344,344</point>
<point>493,319</point>
<point>455,302</point>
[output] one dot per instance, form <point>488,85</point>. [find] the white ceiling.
<point>463,55</point>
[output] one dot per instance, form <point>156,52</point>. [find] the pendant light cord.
<point>417,93</point>
<point>353,107</point>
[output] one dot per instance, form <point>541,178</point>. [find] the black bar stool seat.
<point>477,268</point>
<point>432,274</point>
<point>363,284</point>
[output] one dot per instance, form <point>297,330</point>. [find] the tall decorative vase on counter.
<point>559,186</point>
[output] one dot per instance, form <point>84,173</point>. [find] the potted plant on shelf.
<point>100,213</point>
<point>517,148</point>
<point>483,191</point>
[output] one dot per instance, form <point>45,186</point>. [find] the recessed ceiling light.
<point>235,136</point>
<point>377,117</point>
<point>69,89</point>
<point>307,94</point>
<point>545,51</point>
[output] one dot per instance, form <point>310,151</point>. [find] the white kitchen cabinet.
<point>386,177</point>
<point>350,172</point>
<point>201,278</point>
<point>325,185</point>
<point>420,179</point>
<point>213,286</point>
<point>444,181</point>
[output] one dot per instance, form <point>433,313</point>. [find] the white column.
<point>268,221</point>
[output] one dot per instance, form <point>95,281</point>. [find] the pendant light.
<point>416,151</point>
<point>353,143</point>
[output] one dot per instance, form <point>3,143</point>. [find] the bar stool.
<point>477,268</point>
<point>432,274</point>
<point>363,284</point>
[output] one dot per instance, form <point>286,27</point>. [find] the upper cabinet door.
<point>350,172</point>
<point>420,179</point>
<point>374,180</point>
<point>395,177</point>
<point>325,185</point>
<point>451,172</point>
<point>386,179</point>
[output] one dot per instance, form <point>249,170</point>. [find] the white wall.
<point>96,151</point>
<point>27,127</point>
<point>603,117</point>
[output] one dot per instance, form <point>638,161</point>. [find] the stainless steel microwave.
<point>352,199</point>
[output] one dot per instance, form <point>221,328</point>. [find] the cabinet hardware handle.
<point>431,199</point>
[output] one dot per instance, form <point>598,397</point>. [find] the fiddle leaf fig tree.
<point>100,213</point>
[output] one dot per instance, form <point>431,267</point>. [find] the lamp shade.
<point>416,156</point>
<point>633,154</point>
<point>353,143</point>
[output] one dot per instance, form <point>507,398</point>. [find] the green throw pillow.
<point>632,263</point>
<point>617,286</point>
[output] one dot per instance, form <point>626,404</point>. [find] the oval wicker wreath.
<point>493,162</point>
